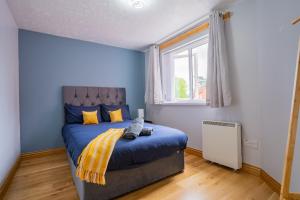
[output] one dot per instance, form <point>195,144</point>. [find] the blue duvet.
<point>163,142</point>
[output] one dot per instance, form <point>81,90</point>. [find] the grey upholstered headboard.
<point>88,96</point>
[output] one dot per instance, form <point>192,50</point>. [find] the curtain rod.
<point>187,27</point>
<point>181,30</point>
<point>188,33</point>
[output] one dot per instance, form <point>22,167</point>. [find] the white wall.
<point>277,50</point>
<point>262,48</point>
<point>9,87</point>
<point>245,101</point>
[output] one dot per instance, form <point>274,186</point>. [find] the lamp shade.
<point>141,113</point>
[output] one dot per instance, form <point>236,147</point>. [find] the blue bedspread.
<point>127,153</point>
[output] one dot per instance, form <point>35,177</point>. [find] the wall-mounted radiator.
<point>222,143</point>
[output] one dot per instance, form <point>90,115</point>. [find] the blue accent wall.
<point>48,62</point>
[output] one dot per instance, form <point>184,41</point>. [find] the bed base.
<point>120,182</point>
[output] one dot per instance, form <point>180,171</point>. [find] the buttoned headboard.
<point>88,96</point>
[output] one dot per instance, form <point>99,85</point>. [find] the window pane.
<point>199,71</point>
<point>183,53</point>
<point>181,75</point>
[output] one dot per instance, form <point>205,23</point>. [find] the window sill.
<point>187,103</point>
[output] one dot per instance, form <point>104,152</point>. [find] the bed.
<point>134,163</point>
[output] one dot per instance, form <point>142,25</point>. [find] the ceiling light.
<point>137,3</point>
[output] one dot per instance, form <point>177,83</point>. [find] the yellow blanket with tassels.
<point>93,161</point>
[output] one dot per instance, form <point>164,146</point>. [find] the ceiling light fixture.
<point>137,3</point>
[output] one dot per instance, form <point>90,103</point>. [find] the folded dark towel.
<point>146,132</point>
<point>129,135</point>
<point>134,129</point>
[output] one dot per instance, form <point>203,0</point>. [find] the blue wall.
<point>48,62</point>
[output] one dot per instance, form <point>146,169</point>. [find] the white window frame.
<point>186,46</point>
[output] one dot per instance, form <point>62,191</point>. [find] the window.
<point>184,72</point>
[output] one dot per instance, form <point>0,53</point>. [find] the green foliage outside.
<point>181,88</point>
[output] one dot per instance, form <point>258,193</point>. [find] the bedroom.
<point>108,62</point>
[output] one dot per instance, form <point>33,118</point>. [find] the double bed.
<point>133,163</point>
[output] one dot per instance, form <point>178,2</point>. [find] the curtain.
<point>218,91</point>
<point>153,94</point>
<point>167,74</point>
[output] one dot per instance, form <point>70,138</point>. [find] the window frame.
<point>186,46</point>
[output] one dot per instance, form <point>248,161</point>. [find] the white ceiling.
<point>111,22</point>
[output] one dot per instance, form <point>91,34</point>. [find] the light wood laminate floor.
<point>49,178</point>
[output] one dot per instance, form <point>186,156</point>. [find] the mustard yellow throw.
<point>93,161</point>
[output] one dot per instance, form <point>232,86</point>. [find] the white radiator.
<point>222,143</point>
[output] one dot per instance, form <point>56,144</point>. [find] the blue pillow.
<point>105,109</point>
<point>73,114</point>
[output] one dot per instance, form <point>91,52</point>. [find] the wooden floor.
<point>49,178</point>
